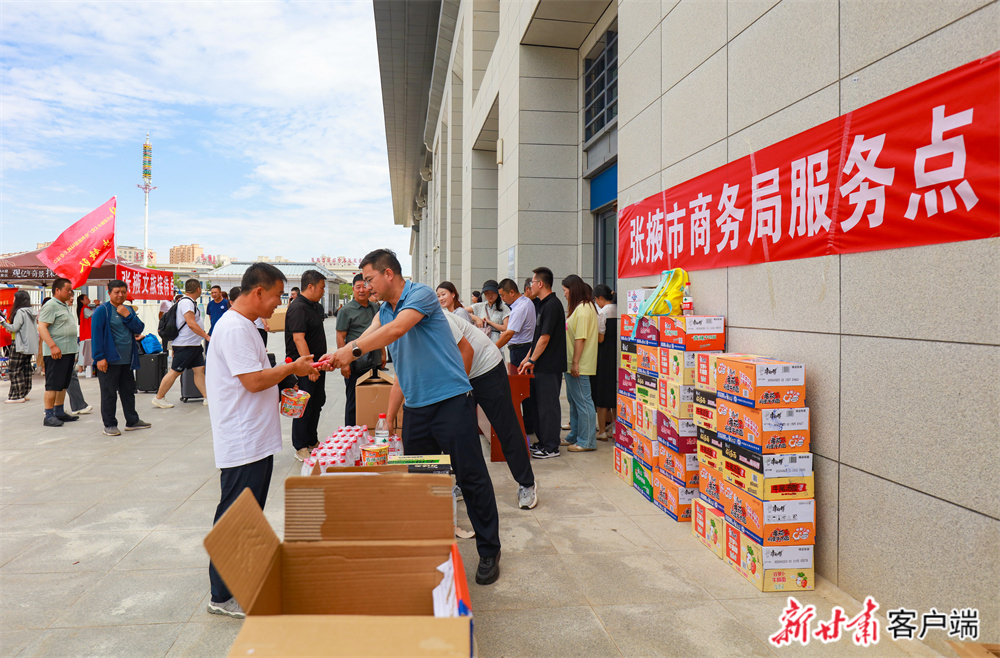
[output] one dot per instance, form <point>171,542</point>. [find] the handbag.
<point>150,344</point>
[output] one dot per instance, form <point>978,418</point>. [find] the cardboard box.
<point>645,420</point>
<point>648,359</point>
<point>694,333</point>
<point>703,416</point>
<point>682,467</point>
<point>623,464</point>
<point>770,568</point>
<point>795,464</point>
<point>673,498</point>
<point>708,525</point>
<point>626,383</point>
<point>277,320</point>
<point>677,365</point>
<point>623,437</point>
<point>678,399</point>
<point>641,481</point>
<point>766,431</point>
<point>645,389</point>
<point>372,395</point>
<point>760,383</point>
<point>708,436</point>
<point>779,488</point>
<point>710,485</point>
<point>339,561</point>
<point>635,298</point>
<point>626,326</point>
<point>628,359</point>
<point>625,410</point>
<point>646,450</point>
<point>771,523</point>
<point>678,433</point>
<point>647,332</point>
<point>707,365</point>
<point>710,456</point>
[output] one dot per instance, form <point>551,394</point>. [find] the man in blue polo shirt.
<point>440,411</point>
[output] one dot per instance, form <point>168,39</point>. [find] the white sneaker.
<point>85,410</point>
<point>230,608</point>
<point>162,404</point>
<point>204,402</point>
<point>17,401</point>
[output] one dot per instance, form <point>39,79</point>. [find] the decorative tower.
<point>146,187</point>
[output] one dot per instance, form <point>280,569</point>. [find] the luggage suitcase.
<point>189,392</point>
<point>152,368</point>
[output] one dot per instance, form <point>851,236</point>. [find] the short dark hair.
<point>311,278</point>
<point>216,286</point>
<point>544,275</point>
<point>192,285</point>
<point>295,289</point>
<point>605,291</point>
<point>383,259</point>
<point>358,277</point>
<point>59,283</point>
<point>264,275</point>
<point>234,292</point>
<point>509,285</point>
<point>117,283</point>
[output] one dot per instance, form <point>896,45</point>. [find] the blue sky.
<point>265,118</point>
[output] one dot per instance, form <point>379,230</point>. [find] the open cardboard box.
<point>354,574</point>
<point>277,320</point>
<point>372,395</point>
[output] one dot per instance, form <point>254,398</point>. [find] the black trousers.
<point>492,392</point>
<point>255,476</point>
<point>450,427</point>
<point>305,430</point>
<point>351,406</point>
<point>517,354</point>
<point>117,382</point>
<point>547,411</point>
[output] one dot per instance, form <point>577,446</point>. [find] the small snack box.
<point>676,399</point>
<point>673,498</point>
<point>626,411</point>
<point>677,365</point>
<point>623,464</point>
<point>648,358</point>
<point>694,333</point>
<point>678,433</point>
<point>766,431</point>
<point>771,523</point>
<point>645,420</point>
<point>682,467</point>
<point>629,358</point>
<point>626,383</point>
<point>710,485</point>
<point>642,480</point>
<point>645,389</point>
<point>760,383</point>
<point>708,525</point>
<point>710,456</point>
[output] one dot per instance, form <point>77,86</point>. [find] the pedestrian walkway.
<point>101,552</point>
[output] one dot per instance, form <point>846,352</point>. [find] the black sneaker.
<point>112,431</point>
<point>52,421</point>
<point>67,418</point>
<point>139,425</point>
<point>542,453</point>
<point>489,569</point>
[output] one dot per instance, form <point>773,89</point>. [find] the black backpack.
<point>168,324</point>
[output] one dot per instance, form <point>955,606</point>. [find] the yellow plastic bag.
<point>667,297</point>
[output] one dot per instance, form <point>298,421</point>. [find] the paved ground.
<point>101,553</point>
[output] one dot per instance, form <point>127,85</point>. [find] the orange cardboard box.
<point>645,420</point>
<point>765,431</point>
<point>760,383</point>
<point>755,484</point>
<point>708,525</point>
<point>710,485</point>
<point>682,467</point>
<point>677,365</point>
<point>771,523</point>
<point>646,450</point>
<point>707,365</point>
<point>694,333</point>
<point>710,456</point>
<point>626,324</point>
<point>648,358</point>
<point>626,411</point>
<point>623,465</point>
<point>673,498</point>
<point>770,568</point>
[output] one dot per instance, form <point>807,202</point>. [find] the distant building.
<point>276,259</point>
<point>42,245</point>
<point>134,254</point>
<point>185,253</point>
<point>232,274</point>
<point>215,260</point>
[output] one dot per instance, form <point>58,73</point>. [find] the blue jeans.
<point>582,415</point>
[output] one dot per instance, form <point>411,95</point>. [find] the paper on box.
<point>694,333</point>
<point>708,525</point>
<point>760,383</point>
<point>769,568</point>
<point>772,523</point>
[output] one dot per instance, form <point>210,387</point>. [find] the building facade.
<point>516,130</point>
<point>134,254</point>
<point>185,253</point>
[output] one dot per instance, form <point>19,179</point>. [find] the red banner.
<point>919,167</point>
<point>6,304</point>
<point>144,283</point>
<point>84,245</point>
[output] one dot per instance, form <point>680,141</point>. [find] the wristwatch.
<point>355,350</point>
<point>531,361</point>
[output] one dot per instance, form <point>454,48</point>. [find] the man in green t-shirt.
<point>352,320</point>
<point>59,331</point>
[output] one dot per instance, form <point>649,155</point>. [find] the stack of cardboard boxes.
<point>655,432</point>
<point>755,506</point>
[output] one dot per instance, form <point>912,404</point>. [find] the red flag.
<point>84,245</point>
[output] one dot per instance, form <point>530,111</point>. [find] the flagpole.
<point>146,187</point>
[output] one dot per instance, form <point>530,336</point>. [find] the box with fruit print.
<point>769,568</point>
<point>708,525</point>
<point>678,433</point>
<point>645,419</point>
<point>677,365</point>
<point>760,383</point>
<point>683,468</point>
<point>766,431</point>
<point>676,399</point>
<point>641,480</point>
<point>694,333</point>
<point>623,465</point>
<point>673,498</point>
<point>770,522</point>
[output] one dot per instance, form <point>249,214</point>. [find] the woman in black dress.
<point>604,385</point>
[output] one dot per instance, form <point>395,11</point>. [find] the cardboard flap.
<point>368,507</point>
<point>382,377</point>
<point>243,548</point>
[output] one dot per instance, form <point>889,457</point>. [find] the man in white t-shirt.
<point>491,389</point>
<point>188,353</point>
<point>246,429</point>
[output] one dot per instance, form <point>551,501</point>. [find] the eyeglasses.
<point>368,279</point>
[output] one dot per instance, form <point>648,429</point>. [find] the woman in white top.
<point>491,314</point>
<point>448,298</point>
<point>605,383</point>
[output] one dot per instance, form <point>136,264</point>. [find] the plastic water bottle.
<point>381,431</point>
<point>687,303</point>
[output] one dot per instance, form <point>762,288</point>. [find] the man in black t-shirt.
<point>304,335</point>
<point>547,361</point>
